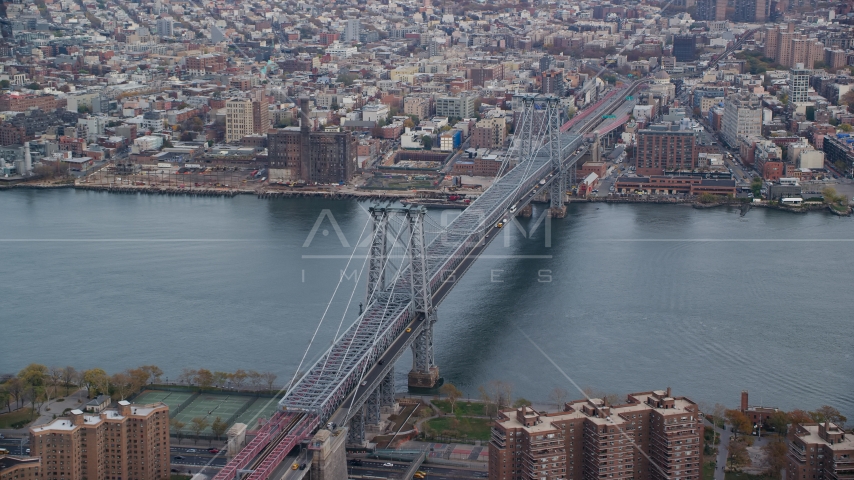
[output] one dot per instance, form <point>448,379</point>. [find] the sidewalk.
<point>474,456</point>
<point>723,448</point>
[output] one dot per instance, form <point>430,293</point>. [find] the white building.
<point>338,50</point>
<point>148,142</point>
<point>352,30</point>
<point>166,27</point>
<point>799,84</point>
<point>375,112</point>
<point>742,118</point>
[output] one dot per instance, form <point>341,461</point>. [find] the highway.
<point>376,469</point>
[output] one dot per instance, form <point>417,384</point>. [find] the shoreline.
<point>391,196</point>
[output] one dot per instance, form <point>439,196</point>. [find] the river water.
<point>621,298</point>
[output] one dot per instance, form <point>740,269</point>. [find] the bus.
<point>793,201</point>
<point>3,451</point>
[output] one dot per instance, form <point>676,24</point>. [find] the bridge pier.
<point>424,373</point>
<point>356,433</point>
<point>525,212</point>
<point>329,455</point>
<point>387,404</point>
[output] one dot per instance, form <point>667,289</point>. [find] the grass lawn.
<point>461,408</point>
<point>9,419</point>
<point>745,476</point>
<point>180,477</point>
<point>472,428</point>
<point>708,470</point>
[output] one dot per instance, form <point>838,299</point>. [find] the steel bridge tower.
<point>557,194</point>
<point>424,373</point>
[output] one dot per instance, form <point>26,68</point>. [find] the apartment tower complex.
<point>127,443</point>
<point>665,148</point>
<point>246,116</point>
<point>742,118</point>
<point>652,436</point>
<point>821,451</point>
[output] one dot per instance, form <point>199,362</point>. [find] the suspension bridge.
<point>411,268</point>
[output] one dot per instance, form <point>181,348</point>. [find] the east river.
<point>622,298</point>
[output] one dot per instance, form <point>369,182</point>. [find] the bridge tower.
<point>424,373</point>
<point>558,186</point>
<point>378,252</point>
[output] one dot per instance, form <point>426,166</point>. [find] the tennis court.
<point>172,399</point>
<point>260,408</point>
<point>209,407</point>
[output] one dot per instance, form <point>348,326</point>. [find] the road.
<point>14,446</point>
<point>375,468</point>
<point>192,456</point>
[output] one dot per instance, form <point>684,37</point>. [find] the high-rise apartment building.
<point>799,84</point>
<point>665,148</point>
<point>552,82</point>
<point>821,451</point>
<point>418,106</point>
<point>650,437</point>
<point>711,10</point>
<point>751,10</point>
<point>246,116</point>
<point>303,155</point>
<point>789,48</point>
<point>127,443</point>
<point>352,29</point>
<point>742,118</point>
<point>165,27</point>
<point>20,468</point>
<point>481,75</point>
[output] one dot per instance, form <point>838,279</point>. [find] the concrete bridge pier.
<point>424,373</point>
<point>388,404</point>
<point>557,212</point>
<point>525,212</point>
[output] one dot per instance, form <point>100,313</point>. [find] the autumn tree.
<point>779,422</point>
<point>739,421</point>
<point>197,425</point>
<point>255,380</point>
<point>138,379</point>
<point>120,383</point>
<point>776,450</point>
<point>220,378</point>
<point>737,453</point>
<point>16,389</point>
<point>826,413</point>
<point>177,426</point>
<point>799,417</point>
<point>69,377</point>
<point>521,402</point>
<point>452,392</point>
<point>154,373</point>
<point>218,427</point>
<point>204,377</point>
<point>269,379</point>
<point>238,378</point>
<point>96,381</point>
<point>496,395</point>
<point>55,378</point>
<point>187,376</point>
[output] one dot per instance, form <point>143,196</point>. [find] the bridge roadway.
<point>350,370</point>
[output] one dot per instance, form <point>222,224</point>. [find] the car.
<point>213,450</point>
<point>28,451</point>
<point>595,190</point>
<point>174,470</point>
<point>356,462</point>
<point>364,382</point>
<point>408,329</point>
<point>499,225</point>
<point>295,466</point>
<point>381,362</point>
<point>178,457</point>
<point>388,464</point>
<point>191,450</point>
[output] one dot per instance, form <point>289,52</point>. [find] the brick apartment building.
<point>203,64</point>
<point>21,102</point>
<point>128,443</point>
<point>820,451</point>
<point>652,436</point>
<point>663,148</point>
<point>20,468</point>
<point>489,133</point>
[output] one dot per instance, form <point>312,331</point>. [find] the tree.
<point>16,389</point>
<point>218,427</point>
<point>452,392</point>
<point>5,398</point>
<point>756,186</point>
<point>204,377</point>
<point>848,99</point>
<point>55,378</point>
<point>845,127</point>
<point>558,396</point>
<point>779,422</point>
<point>427,142</point>
<point>34,374</point>
<point>177,426</point>
<point>826,413</point>
<point>188,376</point>
<point>254,379</point>
<point>408,123</point>
<point>219,378</point>
<point>69,376</point>
<point>4,84</point>
<point>737,453</point>
<point>776,451</point>
<point>238,377</point>
<point>496,395</point>
<point>34,86</point>
<point>799,417</point>
<point>269,378</point>
<point>521,402</point>
<point>96,381</point>
<point>739,421</point>
<point>138,379</point>
<point>154,373</point>
<point>197,425</point>
<point>121,383</point>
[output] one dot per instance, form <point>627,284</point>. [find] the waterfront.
<point>704,300</point>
